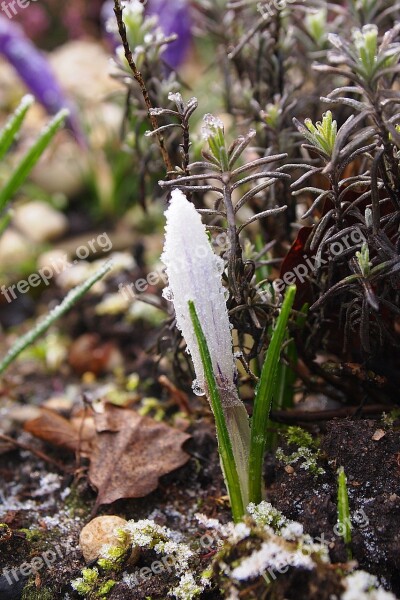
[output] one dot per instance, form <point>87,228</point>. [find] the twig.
<point>139,78</point>
<point>295,416</point>
<point>37,453</point>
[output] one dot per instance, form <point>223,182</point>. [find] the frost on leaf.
<point>194,273</point>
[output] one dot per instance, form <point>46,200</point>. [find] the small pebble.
<point>379,434</point>
<point>100,531</point>
<point>39,221</point>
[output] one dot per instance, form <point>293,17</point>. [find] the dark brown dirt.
<point>373,472</point>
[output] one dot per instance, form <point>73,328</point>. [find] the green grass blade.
<point>5,220</point>
<point>343,509</point>
<point>40,328</point>
<point>224,442</point>
<point>286,376</point>
<point>263,399</point>
<point>30,159</point>
<point>14,123</point>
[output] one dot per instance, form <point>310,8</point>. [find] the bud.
<point>213,132</point>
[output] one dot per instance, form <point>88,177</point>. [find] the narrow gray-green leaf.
<point>42,326</point>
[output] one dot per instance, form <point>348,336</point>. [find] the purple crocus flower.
<point>174,17</point>
<point>35,71</point>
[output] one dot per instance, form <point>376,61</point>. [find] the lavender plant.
<point>346,176</point>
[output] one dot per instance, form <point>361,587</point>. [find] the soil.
<point>373,478</point>
<point>54,506</point>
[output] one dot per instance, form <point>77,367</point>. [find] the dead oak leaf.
<point>54,429</point>
<point>131,453</point>
<point>74,435</point>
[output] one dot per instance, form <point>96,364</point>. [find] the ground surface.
<point>54,506</point>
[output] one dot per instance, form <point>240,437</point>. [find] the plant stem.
<point>139,78</point>
<point>224,443</point>
<point>263,400</point>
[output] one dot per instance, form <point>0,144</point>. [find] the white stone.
<point>39,222</point>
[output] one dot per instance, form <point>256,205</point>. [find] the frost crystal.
<point>270,556</point>
<point>211,125</point>
<point>194,273</point>
<point>147,534</point>
<point>187,588</point>
<point>363,586</point>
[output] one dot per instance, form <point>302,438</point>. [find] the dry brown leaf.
<point>58,431</point>
<point>131,453</point>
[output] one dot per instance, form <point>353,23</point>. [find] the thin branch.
<point>139,78</point>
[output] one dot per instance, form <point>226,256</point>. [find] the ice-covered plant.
<point>45,323</point>
<point>195,288</point>
<point>194,274</point>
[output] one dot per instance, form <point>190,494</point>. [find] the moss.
<point>106,588</point>
<point>76,504</point>
<point>307,450</point>
<point>32,535</point>
<point>389,419</point>
<point>304,456</point>
<point>31,592</point>
<point>86,584</point>
<point>113,557</point>
<point>297,436</point>
<point>5,532</point>
<point>89,585</point>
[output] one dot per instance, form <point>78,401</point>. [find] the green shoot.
<point>5,220</point>
<point>43,325</point>
<point>322,134</point>
<point>263,400</point>
<point>13,125</point>
<point>21,172</point>
<point>286,376</point>
<point>224,442</point>
<point>344,520</point>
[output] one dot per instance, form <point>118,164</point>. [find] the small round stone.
<point>103,530</point>
<point>289,469</point>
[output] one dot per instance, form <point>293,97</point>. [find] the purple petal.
<point>35,71</point>
<point>174,17</point>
